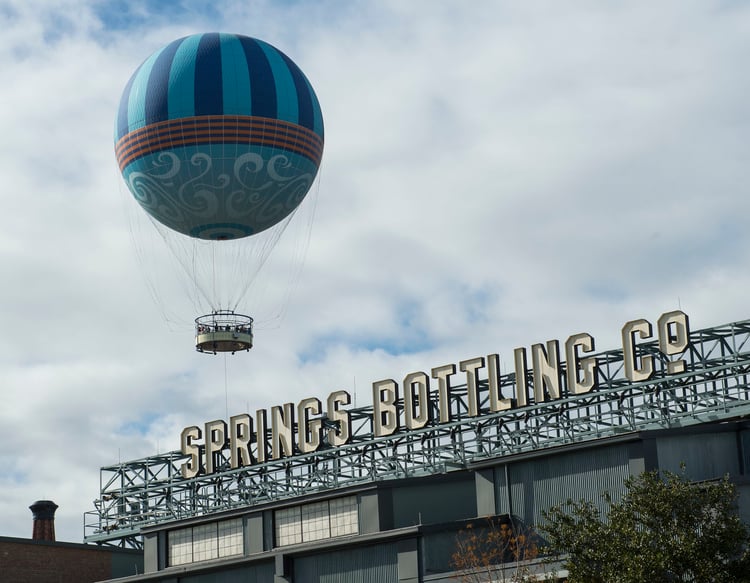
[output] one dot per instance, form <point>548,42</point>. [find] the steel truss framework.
<point>713,387</point>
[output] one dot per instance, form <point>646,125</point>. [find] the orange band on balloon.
<point>219,129</point>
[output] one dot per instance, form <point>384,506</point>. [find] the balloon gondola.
<point>223,331</point>
<point>219,138</point>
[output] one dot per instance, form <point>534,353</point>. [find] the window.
<point>288,526</point>
<point>205,542</point>
<point>317,521</point>
<point>230,538</point>
<point>181,546</point>
<point>344,517</point>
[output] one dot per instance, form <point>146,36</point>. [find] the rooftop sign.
<point>647,383</point>
<point>543,373</point>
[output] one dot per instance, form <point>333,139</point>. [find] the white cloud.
<point>494,176</point>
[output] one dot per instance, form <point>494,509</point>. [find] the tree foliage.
<point>665,528</point>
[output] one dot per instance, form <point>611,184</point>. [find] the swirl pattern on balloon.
<point>219,198</point>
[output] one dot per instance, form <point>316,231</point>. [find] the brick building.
<point>42,559</point>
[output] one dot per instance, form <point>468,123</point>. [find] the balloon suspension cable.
<point>213,273</point>
<point>226,390</point>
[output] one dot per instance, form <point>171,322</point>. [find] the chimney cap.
<point>43,509</point>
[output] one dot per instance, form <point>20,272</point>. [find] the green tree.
<point>666,528</point>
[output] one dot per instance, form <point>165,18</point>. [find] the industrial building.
<point>379,494</point>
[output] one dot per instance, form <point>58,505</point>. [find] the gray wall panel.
<point>254,533</point>
<point>744,444</point>
<point>151,552</point>
<point>485,487</point>
<point>434,502</point>
<point>369,513</point>
<point>743,502</point>
<point>540,483</point>
<point>125,564</point>
<point>371,564</point>
<point>260,573</point>
<point>705,455</point>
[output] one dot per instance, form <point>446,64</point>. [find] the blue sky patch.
<point>139,426</point>
<point>121,15</point>
<point>411,342</point>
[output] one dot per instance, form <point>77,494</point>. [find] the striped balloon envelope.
<point>219,136</point>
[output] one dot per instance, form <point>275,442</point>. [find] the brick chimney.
<point>44,520</point>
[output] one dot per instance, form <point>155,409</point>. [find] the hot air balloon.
<point>219,137</point>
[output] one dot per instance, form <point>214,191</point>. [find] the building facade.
<point>386,489</point>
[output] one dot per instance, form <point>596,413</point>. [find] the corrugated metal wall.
<point>705,455</point>
<point>538,484</point>
<point>371,564</point>
<point>259,573</point>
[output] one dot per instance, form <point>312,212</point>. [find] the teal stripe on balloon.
<point>121,121</point>
<point>182,79</point>
<point>286,92</point>
<point>235,77</point>
<point>137,97</point>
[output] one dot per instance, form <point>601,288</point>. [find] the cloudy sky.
<point>495,174</point>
